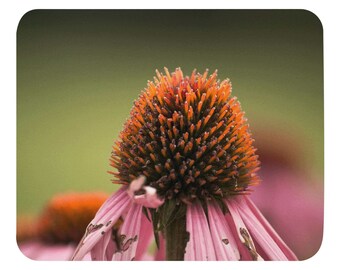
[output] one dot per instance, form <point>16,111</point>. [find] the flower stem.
<point>176,239</point>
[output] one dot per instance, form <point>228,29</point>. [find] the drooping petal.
<point>129,234</point>
<point>261,237</point>
<point>145,238</point>
<point>147,257</point>
<point>224,243</point>
<point>244,252</point>
<point>247,249</point>
<point>200,246</point>
<point>103,222</point>
<point>136,185</point>
<point>104,249</point>
<point>160,252</point>
<point>149,198</point>
<point>262,231</point>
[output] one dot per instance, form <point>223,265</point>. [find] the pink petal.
<point>106,217</point>
<point>224,243</point>
<point>136,185</point>
<point>247,249</point>
<point>160,252</point>
<point>145,238</point>
<point>149,198</point>
<point>244,252</point>
<point>104,249</point>
<point>130,233</point>
<point>146,257</point>
<point>263,232</point>
<point>261,236</point>
<point>200,246</point>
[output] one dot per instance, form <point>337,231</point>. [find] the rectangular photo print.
<point>170,135</point>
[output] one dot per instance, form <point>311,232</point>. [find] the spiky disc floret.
<point>190,139</point>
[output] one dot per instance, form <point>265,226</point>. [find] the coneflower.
<point>66,213</point>
<point>185,160</point>
<point>55,233</point>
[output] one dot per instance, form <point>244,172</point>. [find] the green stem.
<point>176,239</point>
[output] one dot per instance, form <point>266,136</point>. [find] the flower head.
<point>186,161</point>
<point>189,138</point>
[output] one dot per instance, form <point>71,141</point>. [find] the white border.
<point>11,14</point>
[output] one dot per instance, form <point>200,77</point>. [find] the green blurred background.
<point>78,73</point>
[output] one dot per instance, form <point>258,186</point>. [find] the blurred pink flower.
<point>55,233</point>
<point>290,195</point>
<point>294,206</point>
<point>37,250</point>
